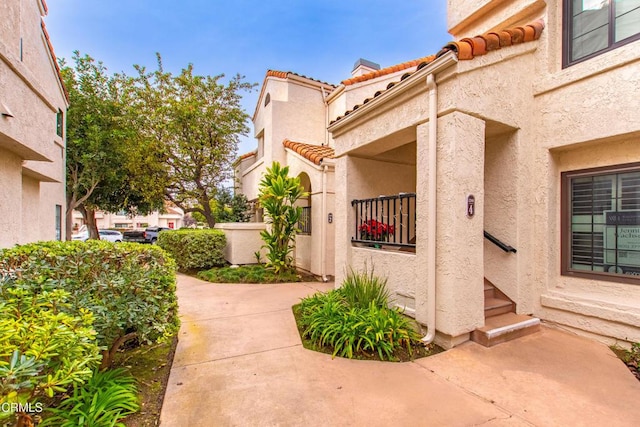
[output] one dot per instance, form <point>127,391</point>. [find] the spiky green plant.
<point>355,319</point>
<point>360,289</point>
<point>278,196</point>
<point>103,401</point>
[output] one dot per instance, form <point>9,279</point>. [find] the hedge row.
<point>129,288</point>
<point>194,249</point>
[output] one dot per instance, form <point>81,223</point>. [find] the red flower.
<point>375,230</point>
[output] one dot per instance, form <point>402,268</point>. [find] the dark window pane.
<point>625,6</point>
<point>630,192</point>
<point>589,20</point>
<point>591,42</point>
<point>627,19</point>
<point>587,250</point>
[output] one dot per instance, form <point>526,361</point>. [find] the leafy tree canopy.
<point>105,169</point>
<point>193,123</point>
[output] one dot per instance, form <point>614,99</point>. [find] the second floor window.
<point>592,27</point>
<point>59,123</point>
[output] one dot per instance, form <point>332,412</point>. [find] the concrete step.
<point>489,290</point>
<point>496,306</point>
<point>505,327</point>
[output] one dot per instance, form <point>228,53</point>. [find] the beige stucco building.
<point>32,141</point>
<point>172,217</point>
<point>528,132</point>
<point>290,122</point>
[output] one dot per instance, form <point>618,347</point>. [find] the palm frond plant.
<point>278,196</point>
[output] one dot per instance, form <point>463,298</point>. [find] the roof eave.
<point>437,65</point>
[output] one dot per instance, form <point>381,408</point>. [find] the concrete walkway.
<point>239,362</point>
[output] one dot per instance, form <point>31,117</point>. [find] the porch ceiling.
<point>385,148</point>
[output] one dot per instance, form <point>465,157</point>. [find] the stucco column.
<point>459,238</point>
<point>10,199</point>
<point>343,217</point>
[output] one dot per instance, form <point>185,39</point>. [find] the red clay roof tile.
<point>313,153</point>
<point>247,155</point>
<point>286,74</point>
<point>388,70</point>
<point>492,40</point>
<point>465,49</point>
<point>53,57</point>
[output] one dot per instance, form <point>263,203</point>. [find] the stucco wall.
<point>31,230</point>
<point>501,211</point>
<point>459,241</point>
<point>33,93</point>
<point>398,268</point>
<point>309,248</point>
<point>467,18</point>
<point>243,241</point>
<point>10,198</point>
<point>610,310</point>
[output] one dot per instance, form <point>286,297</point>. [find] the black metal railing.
<point>386,221</point>
<point>499,243</point>
<point>304,223</point>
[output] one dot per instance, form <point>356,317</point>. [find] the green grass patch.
<point>251,274</point>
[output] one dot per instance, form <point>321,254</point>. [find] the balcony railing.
<point>304,224</point>
<point>386,221</point>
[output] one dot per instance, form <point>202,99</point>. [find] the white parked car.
<point>108,235</point>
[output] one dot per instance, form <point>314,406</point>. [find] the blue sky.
<point>320,39</point>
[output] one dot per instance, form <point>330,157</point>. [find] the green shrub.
<point>105,399</point>
<point>194,249</point>
<point>355,319</point>
<point>43,349</point>
<point>129,288</point>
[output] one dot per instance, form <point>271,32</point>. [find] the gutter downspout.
<point>432,210</point>
<point>323,237</point>
<point>325,169</point>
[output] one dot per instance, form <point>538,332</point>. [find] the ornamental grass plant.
<point>355,320</point>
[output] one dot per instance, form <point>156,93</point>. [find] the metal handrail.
<point>499,243</point>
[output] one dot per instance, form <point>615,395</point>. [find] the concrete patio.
<point>240,362</point>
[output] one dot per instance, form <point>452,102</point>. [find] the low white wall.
<point>399,268</point>
<point>304,252</point>
<point>243,241</point>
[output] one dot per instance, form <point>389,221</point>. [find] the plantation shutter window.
<point>602,233</point>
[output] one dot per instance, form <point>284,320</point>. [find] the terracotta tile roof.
<point>247,155</point>
<point>469,48</point>
<point>44,4</point>
<point>53,57</point>
<point>286,74</point>
<point>313,153</point>
<point>387,70</point>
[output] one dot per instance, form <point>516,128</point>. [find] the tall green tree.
<point>194,123</point>
<point>105,169</point>
<point>278,195</point>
